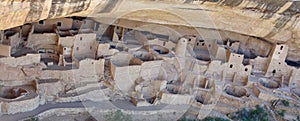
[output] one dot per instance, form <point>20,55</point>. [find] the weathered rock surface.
<point>18,12</point>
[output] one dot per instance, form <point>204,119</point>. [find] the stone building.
<point>13,38</point>
<point>49,25</point>
<point>125,69</point>
<point>277,66</point>
<point>44,44</point>
<point>181,49</point>
<point>235,70</point>
<point>85,46</point>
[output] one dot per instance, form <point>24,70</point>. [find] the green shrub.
<point>118,116</point>
<point>285,103</point>
<point>205,119</point>
<point>281,113</point>
<point>214,119</point>
<point>257,114</point>
<point>186,119</point>
<point>31,119</point>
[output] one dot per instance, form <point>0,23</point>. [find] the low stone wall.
<point>170,113</point>
<point>96,95</point>
<point>176,99</point>
<point>21,61</point>
<point>20,106</point>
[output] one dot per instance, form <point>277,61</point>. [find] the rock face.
<point>269,20</point>
<point>18,12</point>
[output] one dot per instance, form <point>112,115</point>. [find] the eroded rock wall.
<point>18,12</point>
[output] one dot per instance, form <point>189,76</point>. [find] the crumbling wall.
<point>151,70</point>
<point>215,67</point>
<point>235,91</point>
<point>48,91</point>
<point>21,61</point>
<point>89,67</point>
<point>5,50</point>
<point>294,80</point>
<point>14,41</point>
<point>50,24</point>
<point>259,64</point>
<point>36,41</point>
<point>176,99</point>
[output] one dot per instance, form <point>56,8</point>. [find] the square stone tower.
<point>276,62</point>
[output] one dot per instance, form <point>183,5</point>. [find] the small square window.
<point>58,23</point>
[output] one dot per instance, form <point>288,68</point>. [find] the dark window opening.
<point>77,48</point>
<point>246,69</point>
<point>197,44</point>
<point>293,63</point>
<point>231,66</point>
<point>225,42</point>
<point>112,46</point>
<point>41,52</point>
<point>58,23</point>
<point>80,38</point>
<point>281,47</point>
<point>203,44</point>
<point>190,40</point>
<point>278,52</point>
<point>279,63</point>
<point>274,71</point>
<point>41,22</point>
<point>91,47</point>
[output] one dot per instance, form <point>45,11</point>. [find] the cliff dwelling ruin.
<point>149,60</point>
